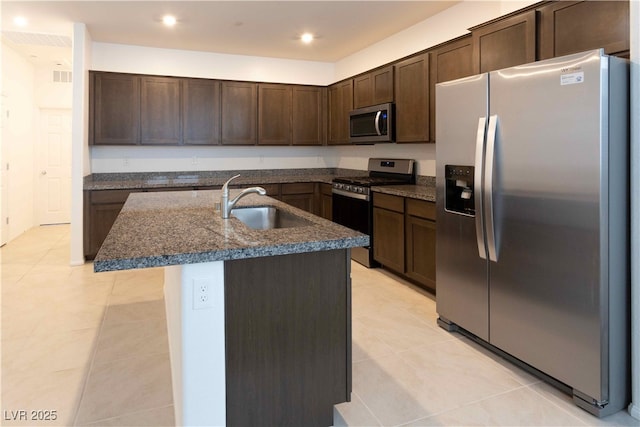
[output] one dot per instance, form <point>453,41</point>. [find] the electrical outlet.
<point>202,294</point>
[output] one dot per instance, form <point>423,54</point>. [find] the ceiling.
<point>256,28</point>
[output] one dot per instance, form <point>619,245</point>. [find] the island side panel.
<point>288,338</point>
<point>196,343</point>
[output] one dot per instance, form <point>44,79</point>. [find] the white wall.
<point>183,63</point>
<point>18,142</point>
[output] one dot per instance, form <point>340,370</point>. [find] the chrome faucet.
<point>226,205</point>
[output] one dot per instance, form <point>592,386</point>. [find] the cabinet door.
<point>505,43</point>
<point>114,109</point>
<point>326,202</point>
<point>201,112</point>
<point>101,210</point>
<point>388,238</point>
<point>362,91</point>
<point>375,87</point>
<point>421,250</point>
<point>340,104</point>
<point>161,111</point>
<point>382,81</point>
<point>239,113</point>
<point>412,99</point>
<point>274,114</point>
<point>574,26</point>
<point>301,195</point>
<point>309,118</point>
<point>449,61</point>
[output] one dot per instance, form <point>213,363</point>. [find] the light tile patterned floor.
<point>93,348</point>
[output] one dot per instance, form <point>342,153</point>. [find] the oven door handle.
<point>364,197</point>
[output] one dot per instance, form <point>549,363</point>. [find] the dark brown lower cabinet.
<point>388,231</point>
<point>288,338</point>
<point>420,236</point>
<point>326,202</point>
<point>101,208</point>
<point>301,195</point>
<point>404,237</point>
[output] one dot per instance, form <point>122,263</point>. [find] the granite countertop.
<point>420,192</point>
<point>144,180</point>
<point>158,229</point>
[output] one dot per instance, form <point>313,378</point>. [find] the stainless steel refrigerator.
<point>532,186</point>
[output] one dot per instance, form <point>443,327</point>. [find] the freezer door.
<point>461,272</point>
<point>549,177</point>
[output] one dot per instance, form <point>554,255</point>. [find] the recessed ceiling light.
<point>20,21</point>
<point>306,38</point>
<point>169,20</point>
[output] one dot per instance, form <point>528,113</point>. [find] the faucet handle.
<point>225,187</point>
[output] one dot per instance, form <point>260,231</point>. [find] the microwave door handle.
<point>377,123</point>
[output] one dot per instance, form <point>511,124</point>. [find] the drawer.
<point>326,189</point>
<point>109,196</point>
<point>298,188</point>
<point>421,209</point>
<point>387,201</point>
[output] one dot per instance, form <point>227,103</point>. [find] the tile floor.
<point>93,348</point>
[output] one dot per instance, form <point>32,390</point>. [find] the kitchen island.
<point>259,321</point>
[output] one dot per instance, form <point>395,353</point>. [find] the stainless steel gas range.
<point>353,201</point>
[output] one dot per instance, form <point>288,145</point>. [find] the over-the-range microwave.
<point>373,124</point>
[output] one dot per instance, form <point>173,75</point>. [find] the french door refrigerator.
<point>532,219</point>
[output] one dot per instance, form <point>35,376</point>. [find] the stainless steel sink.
<point>268,217</point>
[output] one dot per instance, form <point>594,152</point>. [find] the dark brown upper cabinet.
<point>372,88</point>
<point>309,115</point>
<point>504,42</point>
<point>274,114</point>
<point>201,112</point>
<point>412,99</point>
<point>114,112</point>
<point>449,61</point>
<point>239,113</point>
<point>160,111</point>
<point>340,104</point>
<point>574,26</point>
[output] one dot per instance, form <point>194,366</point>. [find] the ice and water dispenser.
<point>459,189</point>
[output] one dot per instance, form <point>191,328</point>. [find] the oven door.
<point>355,213</point>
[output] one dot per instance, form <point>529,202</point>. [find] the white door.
<point>54,172</point>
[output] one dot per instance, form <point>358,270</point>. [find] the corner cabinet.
<point>574,26</point>
<point>340,104</point>
<point>404,237</point>
<point>114,108</point>
<point>412,99</point>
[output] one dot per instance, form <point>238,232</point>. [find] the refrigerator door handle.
<point>488,188</point>
<point>477,186</point>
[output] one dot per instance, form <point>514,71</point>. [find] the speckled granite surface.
<point>424,190</point>
<point>157,229</point>
<point>122,181</point>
